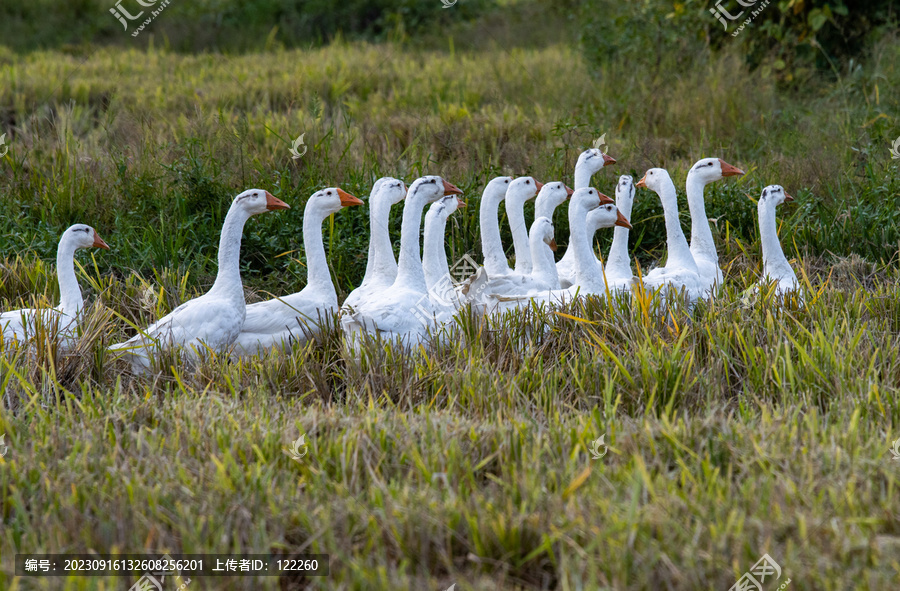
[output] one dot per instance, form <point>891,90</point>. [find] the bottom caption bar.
<point>151,567</point>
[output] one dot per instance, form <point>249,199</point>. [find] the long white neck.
<point>588,272</point>
<point>544,263</point>
<point>515,211</point>
<point>495,262</point>
<point>70,298</point>
<point>434,256</point>
<point>381,263</point>
<point>228,278</point>
<point>702,243</point>
<point>409,269</point>
<point>544,208</point>
<point>679,254</point>
<point>618,262</point>
<point>582,177</point>
<point>317,272</point>
<point>775,264</point>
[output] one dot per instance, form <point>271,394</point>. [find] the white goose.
<point>296,318</point>
<point>775,265</point>
<point>578,225</point>
<point>403,312</point>
<point>213,320</point>
<point>434,257</point>
<point>590,162</point>
<point>20,325</point>
<point>618,263</point>
<point>703,247</point>
<point>495,262</point>
<point>520,190</point>
<point>381,268</point>
<point>680,270</point>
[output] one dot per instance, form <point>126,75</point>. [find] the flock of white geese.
<point>409,299</point>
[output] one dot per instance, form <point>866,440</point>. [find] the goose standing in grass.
<point>520,190</point>
<point>703,247</point>
<point>214,320</point>
<point>590,162</point>
<point>680,270</point>
<point>403,312</point>
<point>618,263</point>
<point>495,262</point>
<point>20,325</point>
<point>296,318</point>
<point>775,265</point>
<point>440,285</point>
<point>381,268</point>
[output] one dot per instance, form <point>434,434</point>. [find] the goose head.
<point>429,189</point>
<point>709,170</point>
<point>495,191</point>
<point>389,189</point>
<point>256,201</point>
<point>625,189</point>
<point>329,201</point>
<point>655,179</point>
<point>83,236</point>
<point>522,189</point>
<point>554,193</point>
<point>606,215</point>
<point>542,231</point>
<point>773,195</point>
<point>593,160</point>
<point>445,206</point>
<point>587,199</point>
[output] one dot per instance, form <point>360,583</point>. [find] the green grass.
<point>742,430</point>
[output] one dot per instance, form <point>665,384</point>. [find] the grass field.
<point>741,430</point>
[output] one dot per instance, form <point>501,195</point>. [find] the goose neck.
<point>314,247</point>
<point>495,262</point>
<point>434,256</point>
<point>228,277</point>
<point>515,212</point>
<point>410,272</point>
<point>70,298</point>
<point>587,268</point>
<point>679,252</point>
<point>701,235</point>
<point>773,255</point>
<point>544,263</point>
<point>618,252</point>
<point>381,262</point>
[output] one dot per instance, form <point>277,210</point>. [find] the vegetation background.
<point>741,430</point>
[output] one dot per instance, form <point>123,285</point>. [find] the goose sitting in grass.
<point>776,267</point>
<point>295,319</point>
<point>214,320</point>
<point>20,325</point>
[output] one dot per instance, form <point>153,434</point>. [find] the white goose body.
<point>680,270</point>
<point>775,265</point>
<point>381,267</point>
<point>20,325</point>
<point>589,163</point>
<point>404,312</point>
<point>703,246</point>
<point>213,320</point>
<point>296,318</point>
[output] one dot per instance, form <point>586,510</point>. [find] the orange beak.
<point>538,185</point>
<point>787,197</point>
<point>642,184</point>
<point>604,199</point>
<point>569,192</point>
<point>552,245</point>
<point>451,189</point>
<point>621,221</point>
<point>273,202</point>
<point>98,242</point>
<point>729,170</point>
<point>607,160</point>
<point>347,199</point>
<point>460,202</point>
